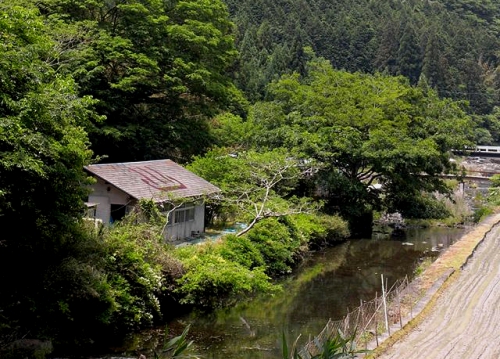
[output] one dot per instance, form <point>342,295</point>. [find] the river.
<point>324,286</point>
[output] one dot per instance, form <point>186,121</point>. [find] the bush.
<point>218,273</point>
<point>274,241</point>
<point>481,213</point>
<point>317,230</point>
<point>243,251</point>
<point>425,206</point>
<point>111,283</point>
<point>213,281</point>
<point>141,271</point>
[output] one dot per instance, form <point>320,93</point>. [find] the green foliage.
<point>317,230</point>
<point>487,130</point>
<point>481,213</point>
<point>275,242</point>
<point>493,197</point>
<point>114,281</point>
<point>157,95</point>
<point>335,346</point>
<point>424,206</point>
<point>211,280</point>
<point>255,185</point>
<point>452,45</point>
<point>221,272</point>
<point>43,149</point>
<point>230,130</point>
<point>158,71</point>
<point>243,251</point>
<point>356,130</point>
<point>177,347</point>
<point>495,181</point>
<point>135,260</point>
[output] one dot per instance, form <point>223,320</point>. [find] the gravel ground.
<point>465,323</point>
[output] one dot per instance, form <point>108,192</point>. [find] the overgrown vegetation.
<point>235,266</point>
<point>82,81</point>
<point>337,346</point>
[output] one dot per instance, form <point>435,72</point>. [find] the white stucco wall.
<point>185,229</point>
<point>105,195</point>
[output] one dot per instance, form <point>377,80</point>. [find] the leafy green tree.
<point>488,128</point>
<point>395,37</point>
<point>432,64</point>
<point>158,69</point>
<point>255,185</point>
<point>43,150</point>
<point>409,55</point>
<point>362,130</point>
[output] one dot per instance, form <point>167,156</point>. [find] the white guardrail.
<point>487,149</point>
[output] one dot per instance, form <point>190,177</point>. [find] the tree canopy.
<point>353,108</point>
<point>158,69</point>
<point>362,130</point>
<point>43,148</point>
<point>453,45</point>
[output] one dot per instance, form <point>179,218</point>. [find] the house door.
<point>103,208</point>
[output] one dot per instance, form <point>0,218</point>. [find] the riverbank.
<point>447,272</point>
<point>325,286</point>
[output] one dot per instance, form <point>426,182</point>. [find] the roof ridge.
<point>131,162</point>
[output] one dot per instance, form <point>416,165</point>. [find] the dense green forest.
<point>308,114</point>
<point>451,45</point>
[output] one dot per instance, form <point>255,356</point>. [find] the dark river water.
<point>326,285</point>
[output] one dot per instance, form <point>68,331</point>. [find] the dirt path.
<point>465,323</point>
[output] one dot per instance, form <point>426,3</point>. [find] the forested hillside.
<point>452,45</point>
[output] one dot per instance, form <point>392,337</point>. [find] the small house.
<point>119,187</point>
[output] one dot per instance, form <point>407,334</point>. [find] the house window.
<point>182,215</point>
<point>90,210</point>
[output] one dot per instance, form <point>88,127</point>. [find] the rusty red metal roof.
<point>157,180</point>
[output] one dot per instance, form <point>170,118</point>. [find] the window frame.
<point>183,214</point>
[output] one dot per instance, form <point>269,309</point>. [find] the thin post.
<point>410,291</point>
<point>385,306</point>
<point>399,310</point>
<point>376,323</point>
<point>363,323</point>
<point>386,290</point>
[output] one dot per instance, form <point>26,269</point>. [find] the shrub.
<point>213,281</point>
<point>425,207</point>
<point>138,265</point>
<point>217,273</point>
<point>481,213</point>
<point>318,229</point>
<point>274,241</point>
<point>242,250</point>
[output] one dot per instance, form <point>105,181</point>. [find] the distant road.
<point>465,323</point>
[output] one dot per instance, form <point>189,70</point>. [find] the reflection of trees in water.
<point>264,318</point>
<point>358,278</point>
<point>332,293</point>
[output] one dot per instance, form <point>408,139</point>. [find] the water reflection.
<point>325,286</point>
